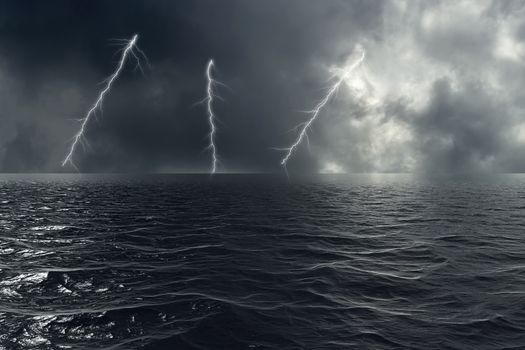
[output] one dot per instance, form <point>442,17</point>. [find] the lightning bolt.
<point>315,112</point>
<point>130,48</point>
<point>211,114</point>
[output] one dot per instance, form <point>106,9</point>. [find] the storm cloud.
<point>440,89</point>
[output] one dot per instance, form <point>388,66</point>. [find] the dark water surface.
<point>255,262</point>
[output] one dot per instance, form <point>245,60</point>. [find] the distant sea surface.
<point>262,262</point>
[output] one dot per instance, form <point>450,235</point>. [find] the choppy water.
<point>253,262</point>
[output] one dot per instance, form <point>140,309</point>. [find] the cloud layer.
<point>440,89</point>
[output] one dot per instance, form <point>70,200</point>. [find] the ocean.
<point>262,262</point>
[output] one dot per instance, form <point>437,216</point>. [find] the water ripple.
<point>258,262</point>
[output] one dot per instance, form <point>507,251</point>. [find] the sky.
<point>440,89</point>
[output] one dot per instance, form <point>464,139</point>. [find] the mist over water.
<point>242,262</point>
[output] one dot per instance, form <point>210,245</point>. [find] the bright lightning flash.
<point>211,114</point>
<point>130,48</point>
<point>315,112</point>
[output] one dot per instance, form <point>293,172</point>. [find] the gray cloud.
<point>21,153</point>
<point>439,90</point>
<point>460,130</point>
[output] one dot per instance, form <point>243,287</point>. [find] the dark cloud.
<point>21,154</point>
<point>276,58</point>
<point>460,130</point>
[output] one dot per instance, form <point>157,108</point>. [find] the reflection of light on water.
<point>6,251</point>
<point>49,228</point>
<point>84,285</point>
<point>25,279</point>
<point>31,253</point>
<point>9,286</point>
<point>33,333</point>
<point>10,293</point>
<point>30,341</point>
